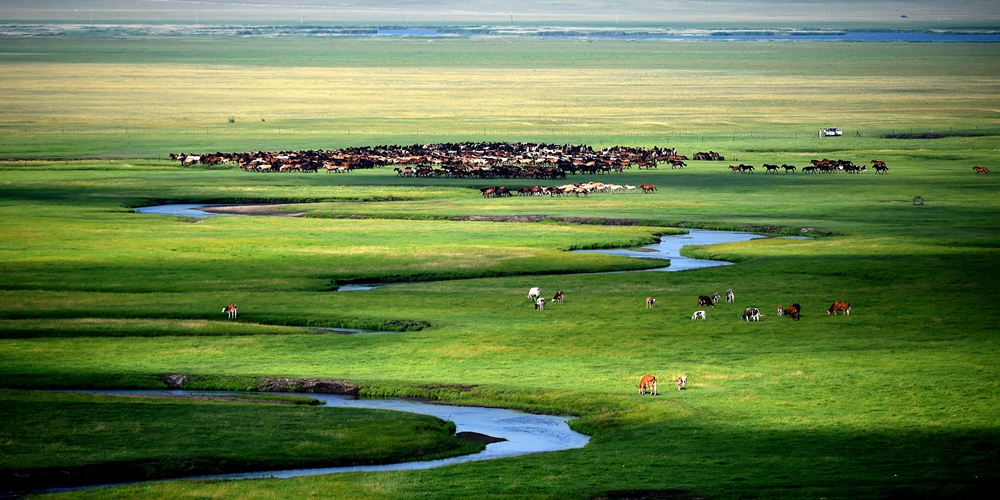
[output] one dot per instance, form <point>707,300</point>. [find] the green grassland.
<point>58,439</point>
<point>899,399</point>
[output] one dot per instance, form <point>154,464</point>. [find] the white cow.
<point>540,304</point>
<point>698,314</point>
<point>534,293</point>
<point>730,296</point>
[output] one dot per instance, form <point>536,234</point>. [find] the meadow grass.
<point>59,439</point>
<point>895,400</point>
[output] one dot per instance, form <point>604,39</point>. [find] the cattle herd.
<point>476,160</point>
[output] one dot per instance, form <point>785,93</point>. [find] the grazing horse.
<point>981,170</point>
<point>716,298</point>
<point>682,382</point>
<point>698,314</point>
<point>559,297</point>
<point>730,296</point>
<point>839,306</point>
<point>230,311</point>
<point>650,301</point>
<point>647,382</point>
<point>647,188</point>
<point>540,304</point>
<point>751,314</point>
<point>534,293</point>
<point>705,300</point>
<point>788,168</point>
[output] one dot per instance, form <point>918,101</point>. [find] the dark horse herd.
<point>480,160</point>
<point>824,166</point>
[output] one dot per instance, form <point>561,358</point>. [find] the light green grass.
<point>896,400</point>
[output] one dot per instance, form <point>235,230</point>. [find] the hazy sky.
<point>981,12</point>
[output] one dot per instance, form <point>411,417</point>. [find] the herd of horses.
<point>485,160</point>
<point>585,188</point>
<point>824,166</point>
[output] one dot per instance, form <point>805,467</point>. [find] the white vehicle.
<point>830,132</point>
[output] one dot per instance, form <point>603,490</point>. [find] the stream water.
<point>524,432</point>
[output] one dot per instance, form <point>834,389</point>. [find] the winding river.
<point>524,432</point>
<point>669,246</point>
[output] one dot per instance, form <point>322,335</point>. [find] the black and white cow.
<point>751,314</point>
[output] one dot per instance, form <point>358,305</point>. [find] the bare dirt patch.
<point>253,210</point>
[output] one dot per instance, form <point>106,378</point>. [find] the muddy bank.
<point>278,384</point>
<point>253,210</point>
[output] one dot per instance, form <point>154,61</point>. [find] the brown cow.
<point>230,311</point>
<point>647,382</point>
<point>839,306</point>
<point>650,301</point>
<point>792,310</point>
<point>705,300</point>
<point>682,382</point>
<point>559,297</point>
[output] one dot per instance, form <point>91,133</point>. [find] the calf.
<point>698,314</point>
<point>730,296</point>
<point>534,293</point>
<point>559,297</point>
<point>650,301</point>
<point>682,382</point>
<point>792,310</point>
<point>540,304</point>
<point>839,306</point>
<point>230,311</point>
<point>705,300</point>
<point>716,298</point>
<point>647,382</point>
<point>751,314</point>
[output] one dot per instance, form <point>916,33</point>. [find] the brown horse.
<point>981,170</point>
<point>647,188</point>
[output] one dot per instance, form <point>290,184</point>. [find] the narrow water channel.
<point>523,433</point>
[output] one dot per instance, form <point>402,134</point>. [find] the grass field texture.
<point>897,400</point>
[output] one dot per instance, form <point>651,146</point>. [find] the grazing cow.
<point>730,296</point>
<point>792,310</point>
<point>534,293</point>
<point>839,306</point>
<point>230,311</point>
<point>540,304</point>
<point>682,382</point>
<point>716,298</point>
<point>647,188</point>
<point>981,170</point>
<point>705,300</point>
<point>650,301</point>
<point>647,382</point>
<point>751,314</point>
<point>698,314</point>
<point>559,297</point>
